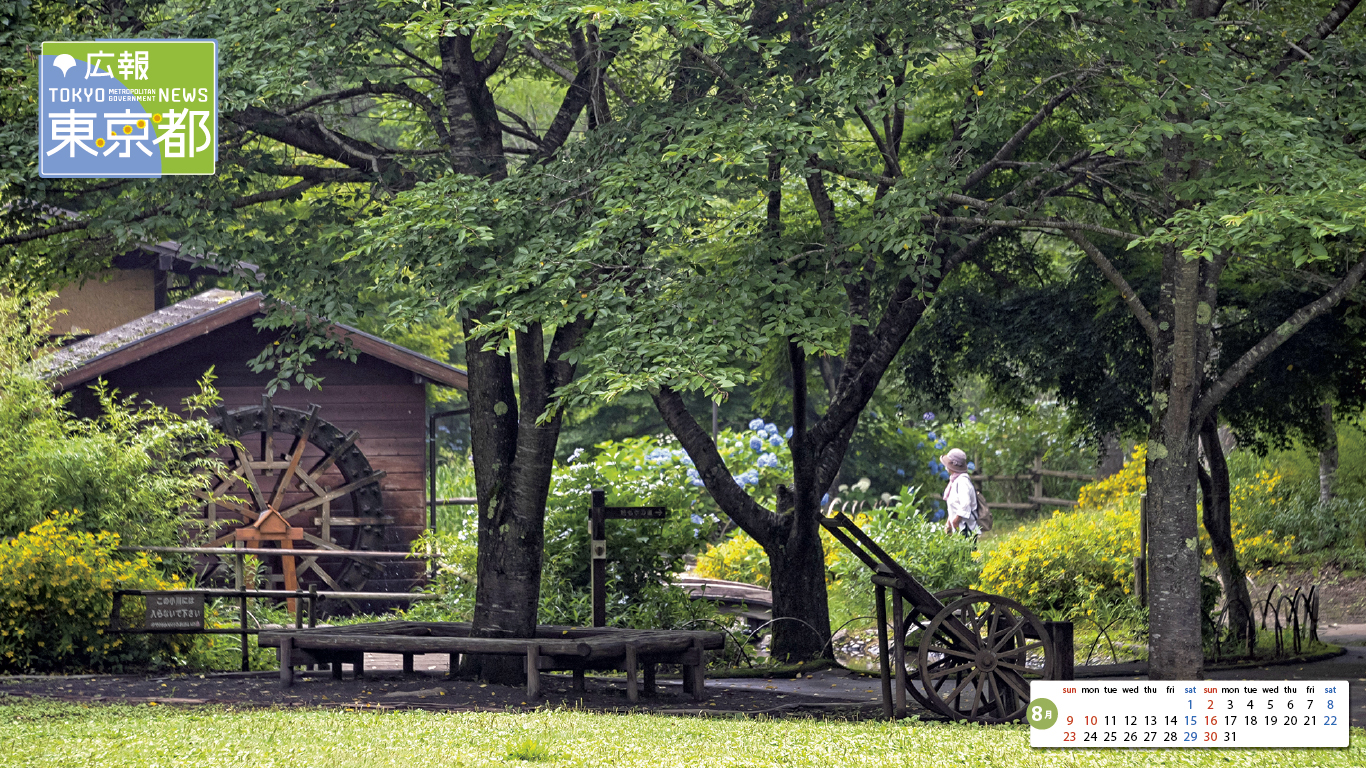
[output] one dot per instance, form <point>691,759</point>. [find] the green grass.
<point>56,734</point>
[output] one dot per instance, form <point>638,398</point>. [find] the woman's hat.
<point>955,458</point>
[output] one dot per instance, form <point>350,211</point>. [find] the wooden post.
<point>699,672</point>
<point>899,652</point>
<point>291,575</point>
<point>580,682</point>
<point>597,535</point>
<point>533,672</point>
<point>1061,632</point>
<point>632,686</point>
<point>884,663</point>
<point>286,654</point>
<point>312,606</point>
<point>454,663</point>
<point>650,671</point>
<point>1038,477</point>
<point>246,651</point>
<point>298,610</point>
<point>359,666</point>
<point>336,670</point>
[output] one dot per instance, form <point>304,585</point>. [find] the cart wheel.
<point>975,655</point>
<point>916,625</point>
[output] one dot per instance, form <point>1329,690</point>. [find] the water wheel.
<point>294,478</point>
<point>974,656</point>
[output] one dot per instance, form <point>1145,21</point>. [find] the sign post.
<point>598,515</point>
<point>123,109</point>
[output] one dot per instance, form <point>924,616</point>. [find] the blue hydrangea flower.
<point>692,473</point>
<point>939,515</point>
<point>940,444</point>
<point>756,424</point>
<point>687,460</point>
<point>920,444</point>
<point>931,435</point>
<point>748,477</point>
<point>972,467</point>
<point>770,428</point>
<point>756,444</point>
<point>928,416</point>
<point>900,472</point>
<point>769,461</point>
<point>775,441</point>
<point>696,519</point>
<point>788,433</point>
<point>697,482</point>
<point>973,418</point>
<point>639,468</point>
<point>825,499</point>
<point>898,431</point>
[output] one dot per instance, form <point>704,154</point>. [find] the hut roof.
<point>196,316</point>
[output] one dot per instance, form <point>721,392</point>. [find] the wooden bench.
<point>577,649</point>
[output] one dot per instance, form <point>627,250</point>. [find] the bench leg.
<point>580,681</point>
<point>454,664</point>
<point>407,663</point>
<point>286,653</point>
<point>336,670</point>
<point>650,670</point>
<point>359,666</point>
<point>698,673</point>
<point>533,672</point>
<point>632,686</point>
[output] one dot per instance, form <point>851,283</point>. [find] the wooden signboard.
<point>175,610</point>
<point>635,513</point>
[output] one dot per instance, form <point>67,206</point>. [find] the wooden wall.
<point>380,400</point>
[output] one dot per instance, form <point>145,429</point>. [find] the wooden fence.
<point>1035,476</point>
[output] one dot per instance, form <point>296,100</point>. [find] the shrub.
<point>1086,555</point>
<point>938,560</point>
<point>643,555</point>
<point>134,470</point>
<point>56,592</point>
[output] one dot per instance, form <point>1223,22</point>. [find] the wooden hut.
<point>368,420</point>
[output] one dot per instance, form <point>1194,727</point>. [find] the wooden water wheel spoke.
<point>244,463</point>
<point>296,454</point>
<point>333,494</point>
<point>274,494</point>
<point>331,458</point>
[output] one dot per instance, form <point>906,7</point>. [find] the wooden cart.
<point>964,654</point>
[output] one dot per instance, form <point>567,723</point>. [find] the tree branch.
<point>1066,226</point>
<point>1326,27</point>
<point>738,505</point>
<point>1259,351</point>
<point>1127,293</point>
<point>1007,150</point>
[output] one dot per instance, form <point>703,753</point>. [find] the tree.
<point>772,200</point>
<point>314,138</point>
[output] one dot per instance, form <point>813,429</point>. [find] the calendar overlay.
<point>1191,713</point>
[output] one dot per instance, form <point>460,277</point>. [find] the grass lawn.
<point>110,736</point>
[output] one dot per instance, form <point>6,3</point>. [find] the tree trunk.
<point>1217,515</point>
<point>1328,455</point>
<point>1175,651</point>
<point>797,567</point>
